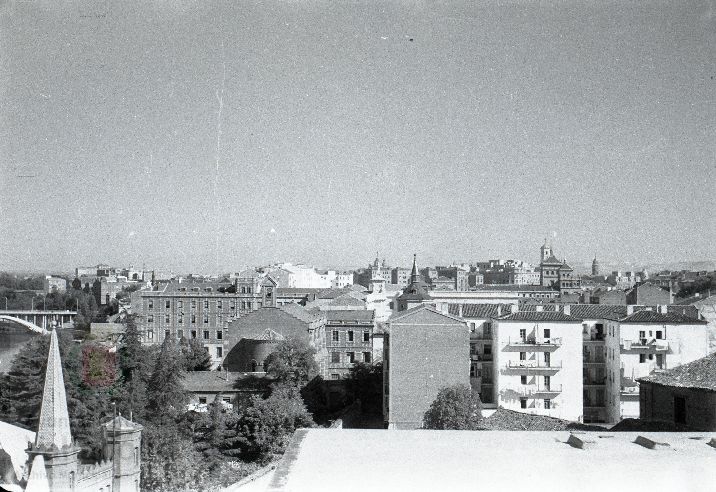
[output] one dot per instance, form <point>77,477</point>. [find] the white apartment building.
<point>537,363</point>
<point>643,342</point>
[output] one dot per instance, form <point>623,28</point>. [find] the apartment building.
<point>643,342</point>
<point>349,339</point>
<point>537,365</point>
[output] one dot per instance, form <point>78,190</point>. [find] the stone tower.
<point>545,250</point>
<point>53,440</point>
<point>122,445</point>
<point>595,266</point>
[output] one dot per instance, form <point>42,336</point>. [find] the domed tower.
<point>595,266</point>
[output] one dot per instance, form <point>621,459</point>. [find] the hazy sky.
<point>460,131</point>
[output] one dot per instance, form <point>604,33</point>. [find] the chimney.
<point>459,310</point>
<point>514,308</point>
<point>499,310</point>
<point>567,309</point>
<point>539,309</point>
<point>630,309</point>
<point>663,308</point>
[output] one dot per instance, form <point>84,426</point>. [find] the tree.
<point>195,356</point>
<point>77,284</point>
<point>215,431</point>
<point>293,361</point>
<point>456,408</point>
<point>166,394</point>
<point>266,425</point>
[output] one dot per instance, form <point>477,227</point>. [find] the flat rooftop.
<point>358,459</point>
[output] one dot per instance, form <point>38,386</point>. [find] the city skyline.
<point>454,131</point>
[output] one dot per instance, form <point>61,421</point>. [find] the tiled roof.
<point>346,300</point>
<point>478,310</point>
<point>213,381</point>
<point>300,312</point>
<point>425,314</point>
<point>657,317</point>
<point>552,260</point>
<point>539,316</point>
<point>598,311</point>
<point>514,287</point>
<point>699,374</point>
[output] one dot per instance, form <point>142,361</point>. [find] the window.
<point>219,352</point>
<point>642,358</point>
<point>206,334</point>
<point>243,289</point>
<point>180,304</point>
<point>523,355</point>
<point>351,356</point>
<point>642,334</point>
<point>219,304</point>
<point>180,334</point>
<point>367,357</point>
<point>151,303</point>
<point>523,334</point>
<point>350,335</point>
<point>547,333</point>
<point>248,290</point>
<point>166,318</point>
<point>202,399</point>
<point>219,334</point>
<point>487,349</point>
<point>193,303</point>
<point>167,334</point>
<point>335,357</point>
<point>334,335</point>
<point>523,402</point>
<point>168,304</point>
<point>335,376</point>
<point>523,379</point>
<point>193,334</point>
<point>150,318</point>
<point>366,336</point>
<point>227,399</point>
<point>546,382</point>
<point>547,404</point>
<point>180,319</point>
<point>150,334</point>
<point>232,305</point>
<point>487,329</point>
<point>136,456</point>
<point>547,359</point>
<point>206,318</point>
<point>206,303</point>
<point>193,319</point>
<point>659,334</point>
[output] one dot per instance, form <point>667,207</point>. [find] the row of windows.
<point>350,357</point>
<point>350,336</point>
<point>206,334</point>
<point>547,403</point>
<point>180,319</point>
<point>205,303</point>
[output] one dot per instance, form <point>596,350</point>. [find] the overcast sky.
<point>459,131</point>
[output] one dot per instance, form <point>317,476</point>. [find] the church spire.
<point>54,427</point>
<point>414,272</point>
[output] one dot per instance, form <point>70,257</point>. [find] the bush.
<point>455,408</point>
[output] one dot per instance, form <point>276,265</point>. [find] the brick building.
<point>647,294</point>
<point>685,395</point>
<point>424,350</point>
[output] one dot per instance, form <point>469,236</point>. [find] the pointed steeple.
<point>54,427</point>
<point>414,272</point>
<point>38,476</point>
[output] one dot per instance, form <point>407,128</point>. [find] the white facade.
<point>537,367</point>
<point>635,350</point>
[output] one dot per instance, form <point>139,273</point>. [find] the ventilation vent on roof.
<point>579,442</point>
<point>648,443</point>
<point>712,442</point>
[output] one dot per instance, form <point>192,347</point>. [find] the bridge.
<point>37,319</point>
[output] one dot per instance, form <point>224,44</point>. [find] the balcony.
<point>533,366</point>
<point>644,345</point>
<point>532,344</point>
<point>481,357</point>
<point>534,391</point>
<point>597,383</point>
<point>593,361</point>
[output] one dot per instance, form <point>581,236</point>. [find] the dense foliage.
<point>293,361</point>
<point>366,384</point>
<point>455,408</point>
<point>702,284</point>
<point>181,450</point>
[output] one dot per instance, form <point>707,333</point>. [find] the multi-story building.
<point>643,342</point>
<point>400,276</point>
<point>424,351</point>
<point>52,284</point>
<point>537,363</point>
<point>647,294</point>
<point>349,339</point>
<point>456,274</point>
<point>557,274</point>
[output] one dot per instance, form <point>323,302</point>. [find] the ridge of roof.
<point>699,374</point>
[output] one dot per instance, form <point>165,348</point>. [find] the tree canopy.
<point>455,408</point>
<point>293,361</point>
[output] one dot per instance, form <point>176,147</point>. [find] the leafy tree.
<point>266,425</point>
<point>456,407</point>
<point>77,284</point>
<point>215,431</point>
<point>195,356</point>
<point>293,361</point>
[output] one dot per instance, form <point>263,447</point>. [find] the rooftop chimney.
<point>539,309</point>
<point>567,309</point>
<point>514,308</point>
<point>630,309</point>
<point>499,310</point>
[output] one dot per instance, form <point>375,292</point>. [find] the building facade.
<point>349,339</point>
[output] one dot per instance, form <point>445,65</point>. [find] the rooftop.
<point>498,460</point>
<point>478,310</point>
<point>647,316</point>
<point>350,315</point>
<point>539,316</point>
<point>699,374</point>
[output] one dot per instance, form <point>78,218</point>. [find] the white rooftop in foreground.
<point>360,460</point>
